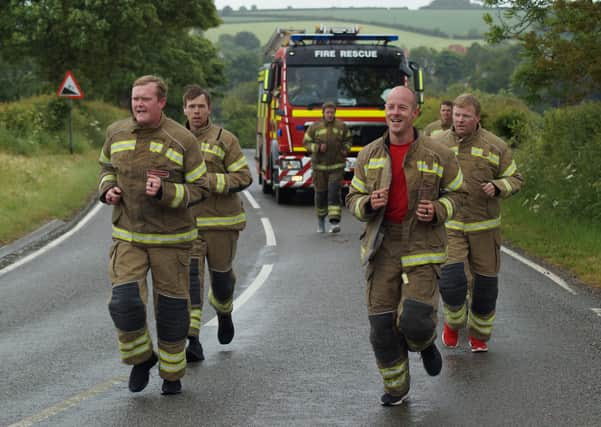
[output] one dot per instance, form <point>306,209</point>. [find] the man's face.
<point>465,120</point>
<point>400,111</point>
<point>146,106</point>
<point>197,111</point>
<point>329,114</point>
<point>446,114</point>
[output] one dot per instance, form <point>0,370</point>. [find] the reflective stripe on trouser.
<point>218,248</point>
<point>327,193</point>
<point>482,309</point>
<point>128,267</point>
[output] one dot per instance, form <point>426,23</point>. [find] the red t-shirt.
<point>396,209</point>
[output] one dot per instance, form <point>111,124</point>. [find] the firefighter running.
<point>219,219</point>
<point>152,170</point>
<point>474,234</point>
<point>329,142</point>
<point>445,122</point>
<point>405,187</point>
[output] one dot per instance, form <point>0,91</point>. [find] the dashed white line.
<point>269,234</point>
<point>558,280</point>
<point>251,199</point>
<point>53,243</point>
<point>597,311</point>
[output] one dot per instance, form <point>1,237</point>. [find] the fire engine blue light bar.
<point>366,37</point>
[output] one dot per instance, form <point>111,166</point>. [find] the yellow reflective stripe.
<point>196,173</point>
<point>447,205</point>
<point>334,210</point>
<point>436,168</point>
<point>237,165</point>
<point>156,147</point>
<point>320,132</point>
<point>395,376</point>
<point>455,318</point>
<point>132,236</point>
<point>491,158</point>
<point>358,212</point>
<point>511,169</point>
<point>314,147</point>
<point>172,362</point>
<point>220,220</point>
<point>179,196</point>
<point>424,258</point>
<point>175,157</point>
<point>507,185</point>
<point>307,137</point>
<point>328,167</point>
<point>117,147</point>
<point>106,178</point>
<point>375,163</point>
<point>358,185</point>
<point>474,226</point>
<point>456,183</point>
<point>220,185</point>
<point>212,149</point>
<point>222,307</point>
<point>454,149</point>
<point>195,316</point>
<point>321,211</point>
<point>481,324</point>
<point>136,347</point>
<point>103,159</point>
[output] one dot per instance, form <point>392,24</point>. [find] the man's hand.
<point>425,211</point>
<point>153,184</point>
<point>323,148</point>
<point>378,198</point>
<point>113,196</point>
<point>490,189</point>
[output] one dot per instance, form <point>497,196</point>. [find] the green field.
<point>451,22</point>
<point>263,30</point>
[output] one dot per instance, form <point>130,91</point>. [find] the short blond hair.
<point>160,83</point>
<point>467,99</point>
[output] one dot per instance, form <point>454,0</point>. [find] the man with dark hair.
<point>152,172</point>
<point>329,141</point>
<point>219,219</point>
<point>445,122</point>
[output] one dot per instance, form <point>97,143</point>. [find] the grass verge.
<point>571,244</point>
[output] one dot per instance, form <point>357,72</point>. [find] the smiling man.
<point>405,187</point>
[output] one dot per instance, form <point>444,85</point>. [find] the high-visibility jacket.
<point>169,150</point>
<point>436,128</point>
<point>228,174</point>
<point>426,165</point>
<point>484,158</point>
<point>338,139</point>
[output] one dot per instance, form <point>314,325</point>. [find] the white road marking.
<point>269,234</point>
<point>53,243</point>
<point>597,311</point>
<point>248,292</point>
<point>251,199</point>
<point>558,280</point>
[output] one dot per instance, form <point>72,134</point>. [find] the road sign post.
<point>70,89</point>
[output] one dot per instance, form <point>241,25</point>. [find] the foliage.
<point>238,112</point>
<point>19,79</point>
<point>562,47</point>
<point>241,54</point>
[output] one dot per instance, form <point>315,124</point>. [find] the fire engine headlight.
<point>290,164</point>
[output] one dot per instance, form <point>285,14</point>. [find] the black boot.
<point>138,378</point>
<point>225,332</point>
<point>171,387</point>
<point>432,360</point>
<point>194,351</point>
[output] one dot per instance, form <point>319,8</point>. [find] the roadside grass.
<point>37,189</point>
<point>572,244</point>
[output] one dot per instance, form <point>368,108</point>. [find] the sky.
<point>303,4</point>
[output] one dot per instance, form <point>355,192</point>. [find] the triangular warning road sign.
<point>69,87</point>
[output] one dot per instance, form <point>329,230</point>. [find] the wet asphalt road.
<point>301,355</point>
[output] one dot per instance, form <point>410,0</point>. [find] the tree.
<point>562,46</point>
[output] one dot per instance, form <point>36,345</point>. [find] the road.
<point>301,354</point>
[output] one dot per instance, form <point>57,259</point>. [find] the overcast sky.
<point>302,4</point>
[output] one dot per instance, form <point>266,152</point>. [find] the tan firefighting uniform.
<point>153,233</point>
<point>403,259</point>
<point>328,167</point>
<point>436,128</point>
<point>474,234</point>
<point>219,219</point>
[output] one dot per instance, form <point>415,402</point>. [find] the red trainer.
<point>449,336</point>
<point>478,346</point>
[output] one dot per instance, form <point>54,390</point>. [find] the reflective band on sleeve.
<point>117,147</point>
<point>103,159</point>
<point>314,147</point>
<point>358,185</point>
<point>220,186</point>
<point>474,226</point>
<point>179,195</point>
<point>358,204</point>
<point>220,221</point>
<point>456,183</point>
<point>237,165</point>
<point>197,173</point>
<point>507,185</point>
<point>447,205</point>
<point>107,178</point>
<point>435,169</point>
<point>212,149</point>
<point>156,147</point>
<point>175,157</point>
<point>425,258</point>
<point>511,169</point>
<point>154,239</point>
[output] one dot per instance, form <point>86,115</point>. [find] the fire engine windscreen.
<point>360,86</point>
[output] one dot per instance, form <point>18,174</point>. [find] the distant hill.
<point>452,5</point>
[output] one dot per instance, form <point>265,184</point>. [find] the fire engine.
<point>355,71</point>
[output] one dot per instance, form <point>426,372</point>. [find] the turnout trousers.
<point>128,268</point>
<point>469,281</point>
<point>327,193</point>
<point>402,308</point>
<point>219,249</point>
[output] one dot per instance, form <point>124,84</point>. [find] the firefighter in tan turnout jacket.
<point>405,187</point>
<point>219,219</point>
<point>474,234</point>
<point>152,171</point>
<point>329,141</point>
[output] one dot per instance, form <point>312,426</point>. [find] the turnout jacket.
<point>228,174</point>
<point>338,139</point>
<point>484,158</point>
<point>170,151</point>
<point>427,165</point>
<point>435,128</point>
